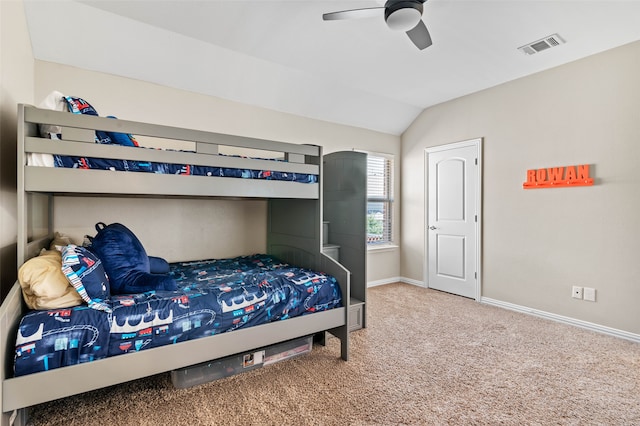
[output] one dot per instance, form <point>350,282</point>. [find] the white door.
<point>453,218</point>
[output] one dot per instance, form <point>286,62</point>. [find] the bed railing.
<point>78,132</point>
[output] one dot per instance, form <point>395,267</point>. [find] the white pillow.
<point>40,159</point>
<point>55,101</point>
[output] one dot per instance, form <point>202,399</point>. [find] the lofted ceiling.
<point>282,56</point>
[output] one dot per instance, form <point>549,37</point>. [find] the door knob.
<point>433,228</point>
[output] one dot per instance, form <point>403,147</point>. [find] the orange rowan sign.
<point>555,177</point>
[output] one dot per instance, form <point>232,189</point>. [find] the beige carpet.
<point>427,358</point>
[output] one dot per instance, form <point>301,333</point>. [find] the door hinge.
<point>476,161</point>
<point>476,218</point>
<point>475,275</point>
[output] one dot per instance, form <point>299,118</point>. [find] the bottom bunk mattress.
<point>214,296</point>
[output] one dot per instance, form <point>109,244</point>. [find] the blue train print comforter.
<point>178,169</point>
<point>215,296</point>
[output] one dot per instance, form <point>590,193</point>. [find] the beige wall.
<point>538,243</point>
<point>16,85</point>
<point>186,221</point>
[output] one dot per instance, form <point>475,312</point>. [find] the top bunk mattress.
<point>86,163</point>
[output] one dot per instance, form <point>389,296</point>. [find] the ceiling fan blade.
<point>420,36</point>
<point>370,12</point>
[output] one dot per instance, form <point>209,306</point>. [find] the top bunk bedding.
<point>72,162</point>
<point>79,165</point>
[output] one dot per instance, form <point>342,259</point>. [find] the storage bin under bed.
<point>226,367</point>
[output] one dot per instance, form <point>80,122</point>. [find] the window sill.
<point>382,248</point>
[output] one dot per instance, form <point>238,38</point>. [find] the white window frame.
<point>386,197</point>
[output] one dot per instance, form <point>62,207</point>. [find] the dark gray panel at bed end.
<point>293,231</point>
<point>344,207</point>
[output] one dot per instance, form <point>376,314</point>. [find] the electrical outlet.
<point>576,292</point>
<point>589,294</point>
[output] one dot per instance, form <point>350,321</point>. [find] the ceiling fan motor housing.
<point>402,15</point>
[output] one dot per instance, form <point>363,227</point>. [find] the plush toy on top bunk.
<point>80,106</point>
<point>59,102</point>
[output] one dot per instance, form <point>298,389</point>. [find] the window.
<point>379,199</point>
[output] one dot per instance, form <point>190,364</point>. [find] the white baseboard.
<point>395,280</point>
<point>383,282</point>
<point>560,318</point>
<point>412,281</point>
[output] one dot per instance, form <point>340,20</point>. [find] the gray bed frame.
<point>294,235</point>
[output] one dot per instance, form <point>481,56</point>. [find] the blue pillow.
<point>126,262</point>
<point>158,265</point>
<point>123,139</point>
<point>87,275</point>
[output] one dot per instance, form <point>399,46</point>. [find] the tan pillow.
<point>44,286</point>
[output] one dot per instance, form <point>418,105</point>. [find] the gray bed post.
<point>21,195</point>
<point>12,306</point>
<point>35,207</point>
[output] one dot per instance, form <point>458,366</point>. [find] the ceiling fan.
<point>400,15</point>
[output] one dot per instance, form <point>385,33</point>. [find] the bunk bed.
<point>293,235</point>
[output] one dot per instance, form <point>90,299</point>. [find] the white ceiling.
<point>281,55</point>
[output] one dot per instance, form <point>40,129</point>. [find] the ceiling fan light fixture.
<point>399,15</point>
<point>403,16</point>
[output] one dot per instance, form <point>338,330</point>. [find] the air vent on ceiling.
<point>542,44</point>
